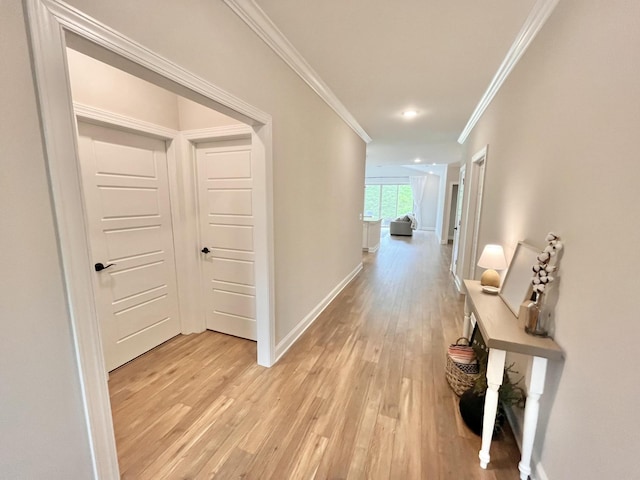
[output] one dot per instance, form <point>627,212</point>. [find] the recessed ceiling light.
<point>409,113</point>
<point>417,160</point>
<point>433,163</point>
<point>430,173</point>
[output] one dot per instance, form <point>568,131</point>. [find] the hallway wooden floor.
<point>362,395</point>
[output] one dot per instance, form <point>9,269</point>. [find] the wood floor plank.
<point>309,457</point>
<point>406,447</point>
<point>357,466</point>
<point>380,453</point>
<point>361,395</point>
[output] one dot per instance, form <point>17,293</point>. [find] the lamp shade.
<point>493,257</point>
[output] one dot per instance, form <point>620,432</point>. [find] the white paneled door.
<point>225,186</point>
<point>126,192</point>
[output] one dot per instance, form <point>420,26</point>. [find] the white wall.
<point>318,174</point>
<point>441,202</point>
<point>42,426</point>
<point>562,137</point>
<point>102,86</point>
<point>105,87</point>
<point>193,116</point>
<point>430,202</point>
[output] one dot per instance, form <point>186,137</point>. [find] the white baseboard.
<point>286,343</point>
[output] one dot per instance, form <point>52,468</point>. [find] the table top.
<point>502,330</point>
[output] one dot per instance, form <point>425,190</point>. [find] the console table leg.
<point>466,330</point>
<point>495,373</point>
<point>534,392</point>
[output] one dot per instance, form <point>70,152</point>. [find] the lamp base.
<point>490,290</point>
<point>490,278</point>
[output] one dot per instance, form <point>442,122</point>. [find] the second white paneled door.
<point>225,189</point>
<point>126,191</point>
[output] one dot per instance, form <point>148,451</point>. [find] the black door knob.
<point>205,250</point>
<point>99,266</point>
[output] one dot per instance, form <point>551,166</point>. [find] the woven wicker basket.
<point>461,377</point>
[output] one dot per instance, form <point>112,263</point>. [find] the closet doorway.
<point>52,27</point>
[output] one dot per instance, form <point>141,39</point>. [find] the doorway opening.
<point>453,209</point>
<point>53,26</point>
<point>136,180</point>
<point>468,218</point>
<point>478,165</point>
<point>458,229</point>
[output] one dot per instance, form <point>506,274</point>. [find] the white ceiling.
<point>381,57</point>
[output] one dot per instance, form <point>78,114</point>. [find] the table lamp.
<point>492,259</point>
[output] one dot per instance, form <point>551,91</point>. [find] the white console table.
<point>502,333</point>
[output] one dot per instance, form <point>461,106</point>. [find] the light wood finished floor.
<point>362,395</point>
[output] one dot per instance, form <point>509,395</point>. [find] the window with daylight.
<point>387,202</point>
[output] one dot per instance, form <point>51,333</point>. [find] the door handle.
<point>99,266</point>
<point>205,250</point>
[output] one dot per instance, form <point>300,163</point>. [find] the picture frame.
<point>517,281</point>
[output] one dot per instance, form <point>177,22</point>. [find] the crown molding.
<point>264,27</point>
<point>538,16</point>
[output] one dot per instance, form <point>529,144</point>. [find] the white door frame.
<point>49,21</point>
<point>472,213</point>
<point>478,168</point>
